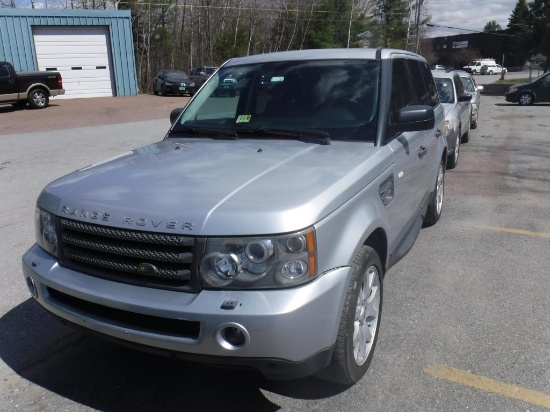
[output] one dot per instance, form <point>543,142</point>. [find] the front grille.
<point>143,258</point>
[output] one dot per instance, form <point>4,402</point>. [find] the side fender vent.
<point>386,191</point>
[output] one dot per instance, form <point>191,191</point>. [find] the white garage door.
<point>80,54</point>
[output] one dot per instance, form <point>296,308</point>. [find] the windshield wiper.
<point>212,131</point>
<point>300,134</point>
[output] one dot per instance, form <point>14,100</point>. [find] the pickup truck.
<point>258,232</point>
<point>34,88</point>
<point>201,74</point>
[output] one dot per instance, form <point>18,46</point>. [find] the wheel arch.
<point>379,242</point>
<point>35,86</point>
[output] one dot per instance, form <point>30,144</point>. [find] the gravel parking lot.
<point>71,113</point>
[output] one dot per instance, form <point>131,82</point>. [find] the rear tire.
<point>38,99</point>
<point>436,203</point>
<point>360,321</point>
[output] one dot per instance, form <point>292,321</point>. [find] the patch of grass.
<point>513,81</point>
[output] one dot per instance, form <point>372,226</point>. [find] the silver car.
<point>474,90</point>
<point>456,103</point>
<point>258,232</point>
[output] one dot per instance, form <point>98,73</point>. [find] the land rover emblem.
<point>147,269</point>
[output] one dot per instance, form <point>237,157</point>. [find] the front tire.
<point>453,158</point>
<point>360,321</point>
<point>525,99</point>
<point>38,99</point>
<point>433,214</point>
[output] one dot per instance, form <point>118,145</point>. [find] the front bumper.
<point>288,332</point>
<point>511,97</point>
<point>179,89</point>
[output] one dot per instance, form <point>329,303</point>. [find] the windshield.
<point>176,76</point>
<point>468,84</point>
<point>445,90</point>
<point>338,98</point>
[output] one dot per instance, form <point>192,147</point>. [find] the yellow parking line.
<point>489,385</point>
<point>518,232</point>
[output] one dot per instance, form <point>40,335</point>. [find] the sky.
<point>466,14</point>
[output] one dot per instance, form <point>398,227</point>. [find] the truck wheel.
<point>360,321</point>
<point>436,203</point>
<point>38,99</point>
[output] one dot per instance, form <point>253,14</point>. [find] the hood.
<point>519,85</point>
<point>209,187</point>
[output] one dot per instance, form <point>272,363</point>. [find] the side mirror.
<point>464,97</point>
<point>174,114</point>
<point>413,119</point>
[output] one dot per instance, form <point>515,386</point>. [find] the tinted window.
<point>4,72</point>
<point>401,95</point>
<point>417,82</point>
<point>433,97</point>
<point>458,85</point>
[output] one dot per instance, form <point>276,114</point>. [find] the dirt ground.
<point>69,113</point>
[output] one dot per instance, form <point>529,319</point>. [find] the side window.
<point>458,86</point>
<point>417,82</point>
<point>433,96</point>
<point>401,95</point>
<point>4,72</point>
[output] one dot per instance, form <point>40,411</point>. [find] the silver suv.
<point>258,232</point>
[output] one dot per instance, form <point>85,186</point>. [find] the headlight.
<point>44,226</point>
<point>168,83</point>
<point>259,262</point>
<point>512,90</point>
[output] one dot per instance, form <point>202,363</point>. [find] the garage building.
<point>92,49</point>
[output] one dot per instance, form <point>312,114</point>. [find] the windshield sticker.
<point>244,118</point>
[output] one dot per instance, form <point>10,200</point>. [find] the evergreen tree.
<point>541,28</point>
<point>520,42</point>
<point>492,26</point>
<point>391,25</point>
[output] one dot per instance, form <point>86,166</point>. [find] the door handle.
<point>438,133</point>
<point>422,152</point>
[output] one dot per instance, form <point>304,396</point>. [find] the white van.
<point>474,66</point>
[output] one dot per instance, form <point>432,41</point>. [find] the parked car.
<point>457,111</point>
<point>537,91</point>
<point>173,82</point>
<point>474,67</point>
<point>34,88</point>
<point>474,90</point>
<point>491,69</point>
<point>200,74</point>
<point>258,232</point>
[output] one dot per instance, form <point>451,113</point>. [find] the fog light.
<point>32,287</point>
<point>232,336</point>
